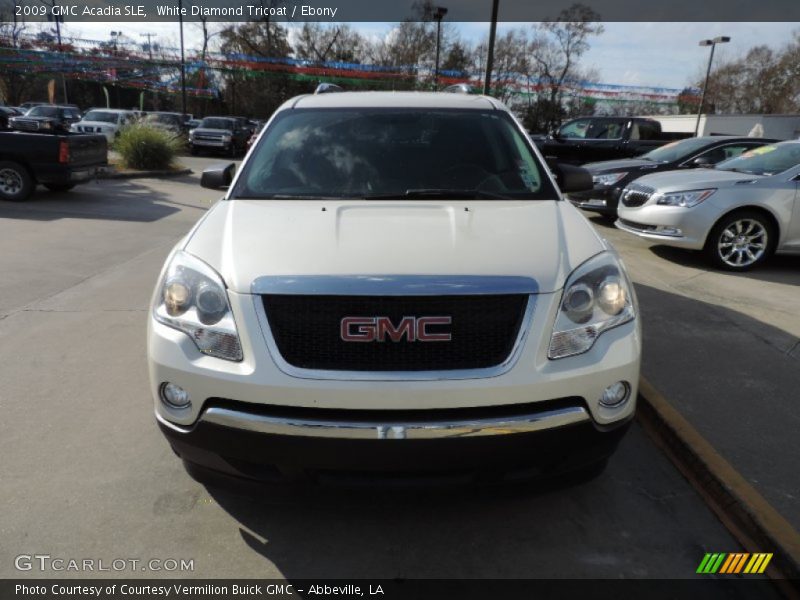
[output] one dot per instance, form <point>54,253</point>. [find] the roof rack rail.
<point>460,88</point>
<point>327,88</point>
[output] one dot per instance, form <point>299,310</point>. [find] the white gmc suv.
<point>393,286</point>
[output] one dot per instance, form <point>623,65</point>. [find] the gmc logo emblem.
<point>378,329</point>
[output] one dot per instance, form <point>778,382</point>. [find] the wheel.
<point>59,187</point>
<point>741,240</point>
<point>232,150</point>
<point>16,184</point>
<point>194,151</point>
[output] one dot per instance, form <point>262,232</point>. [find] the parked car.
<point>738,213</point>
<point>591,139</point>
<point>393,284</point>
<point>612,176</point>
<point>47,118</point>
<point>58,161</point>
<point>26,106</point>
<point>169,121</point>
<point>107,121</point>
<point>221,134</point>
<point>6,112</point>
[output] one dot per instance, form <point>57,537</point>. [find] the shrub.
<point>145,147</point>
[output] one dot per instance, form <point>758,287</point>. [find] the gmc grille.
<point>306,330</point>
<point>636,195</point>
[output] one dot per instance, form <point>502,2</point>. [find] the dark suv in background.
<point>47,118</point>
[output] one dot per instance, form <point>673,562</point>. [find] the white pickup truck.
<point>393,286</point>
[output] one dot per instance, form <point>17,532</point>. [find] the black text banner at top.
<point>345,11</point>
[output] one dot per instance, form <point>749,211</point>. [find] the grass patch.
<point>147,148</point>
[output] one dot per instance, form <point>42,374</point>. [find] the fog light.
<point>174,396</point>
<point>615,394</point>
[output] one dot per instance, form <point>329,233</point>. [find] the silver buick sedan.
<point>738,213</point>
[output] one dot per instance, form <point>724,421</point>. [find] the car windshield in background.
<point>766,160</point>
<point>217,123</point>
<point>43,111</point>
<point>676,150</point>
<point>393,153</point>
<point>101,116</point>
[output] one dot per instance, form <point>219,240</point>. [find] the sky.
<point>646,54</point>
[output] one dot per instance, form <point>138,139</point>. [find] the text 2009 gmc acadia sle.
<point>393,286</point>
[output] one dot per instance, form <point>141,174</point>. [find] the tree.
<point>556,50</point>
<point>256,91</point>
<point>318,43</point>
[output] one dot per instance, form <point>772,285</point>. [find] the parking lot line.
<point>745,512</point>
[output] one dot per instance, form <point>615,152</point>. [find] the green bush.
<point>144,147</point>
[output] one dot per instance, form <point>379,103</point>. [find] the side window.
<point>647,131</point>
<point>606,130</point>
<point>575,129</point>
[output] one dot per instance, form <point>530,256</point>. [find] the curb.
<point>144,174</point>
<point>742,509</point>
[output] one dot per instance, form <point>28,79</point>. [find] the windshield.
<point>101,116</point>
<point>216,123</point>
<point>766,160</point>
<point>393,153</point>
<point>677,150</point>
<point>43,111</point>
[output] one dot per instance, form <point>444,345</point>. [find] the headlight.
<point>596,298</point>
<point>226,137</point>
<point>608,178</point>
<point>684,199</point>
<point>45,125</point>
<point>192,299</point>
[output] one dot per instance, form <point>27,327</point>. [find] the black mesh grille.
<point>483,331</point>
<point>636,195</point>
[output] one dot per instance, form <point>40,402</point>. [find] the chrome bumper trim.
<point>388,430</point>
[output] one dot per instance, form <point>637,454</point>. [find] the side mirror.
<point>218,177</point>
<point>571,178</point>
<point>702,161</point>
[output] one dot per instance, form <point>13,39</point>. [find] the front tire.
<point>741,240</point>
<point>16,184</point>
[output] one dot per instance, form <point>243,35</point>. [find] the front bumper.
<point>274,418</point>
<point>211,144</point>
<point>601,199</point>
<point>277,446</point>
<point>669,225</point>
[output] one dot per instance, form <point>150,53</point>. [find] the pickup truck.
<point>393,288</point>
<point>59,162</point>
<point>592,139</point>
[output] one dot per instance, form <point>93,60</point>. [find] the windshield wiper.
<point>451,194</point>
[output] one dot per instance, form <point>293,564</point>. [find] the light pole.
<point>723,39</point>
<point>438,14</point>
<point>149,37</point>
<point>183,60</point>
<point>490,56</point>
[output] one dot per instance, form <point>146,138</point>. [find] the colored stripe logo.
<point>735,563</point>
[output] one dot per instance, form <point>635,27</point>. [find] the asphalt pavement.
<point>724,349</point>
<point>86,474</point>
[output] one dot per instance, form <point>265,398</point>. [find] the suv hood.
<point>693,179</point>
<point>247,239</point>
